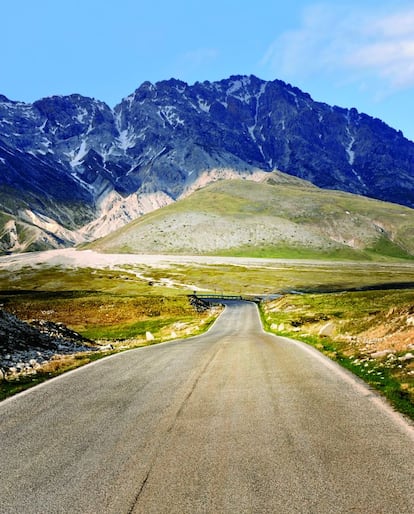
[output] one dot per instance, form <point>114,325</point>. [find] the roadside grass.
<point>107,306</point>
<point>137,329</point>
<point>389,382</point>
<point>361,324</point>
<point>52,369</point>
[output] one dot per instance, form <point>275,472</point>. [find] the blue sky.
<point>340,52</point>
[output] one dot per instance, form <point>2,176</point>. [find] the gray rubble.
<point>25,346</point>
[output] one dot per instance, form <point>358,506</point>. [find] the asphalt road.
<point>235,421</point>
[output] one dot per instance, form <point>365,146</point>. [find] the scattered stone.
<point>149,336</point>
<point>406,357</point>
<point>380,354</point>
<point>327,330</point>
<point>106,347</point>
<point>278,327</point>
<point>410,320</point>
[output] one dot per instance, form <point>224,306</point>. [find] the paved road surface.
<point>236,421</point>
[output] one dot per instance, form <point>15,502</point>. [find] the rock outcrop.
<point>25,346</point>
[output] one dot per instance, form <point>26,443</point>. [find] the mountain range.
<point>72,169</point>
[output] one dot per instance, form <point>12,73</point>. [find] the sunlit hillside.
<point>279,217</point>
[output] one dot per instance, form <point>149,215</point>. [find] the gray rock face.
<point>61,156</point>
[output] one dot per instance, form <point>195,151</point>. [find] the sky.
<point>349,53</point>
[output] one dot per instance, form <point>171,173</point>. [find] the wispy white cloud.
<point>357,45</point>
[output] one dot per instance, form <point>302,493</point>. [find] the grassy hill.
<point>278,217</point>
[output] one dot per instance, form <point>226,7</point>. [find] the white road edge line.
<point>357,383</point>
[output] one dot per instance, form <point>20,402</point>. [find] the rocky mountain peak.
<point>4,99</point>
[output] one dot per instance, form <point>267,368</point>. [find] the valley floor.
<point>362,312</point>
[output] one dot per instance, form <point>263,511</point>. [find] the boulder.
<point>406,357</point>
<point>380,354</point>
<point>327,330</point>
<point>410,320</point>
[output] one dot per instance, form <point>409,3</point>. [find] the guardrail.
<point>256,298</point>
<point>218,296</point>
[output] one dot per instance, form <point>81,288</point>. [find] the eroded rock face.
<point>24,346</point>
<point>62,156</point>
